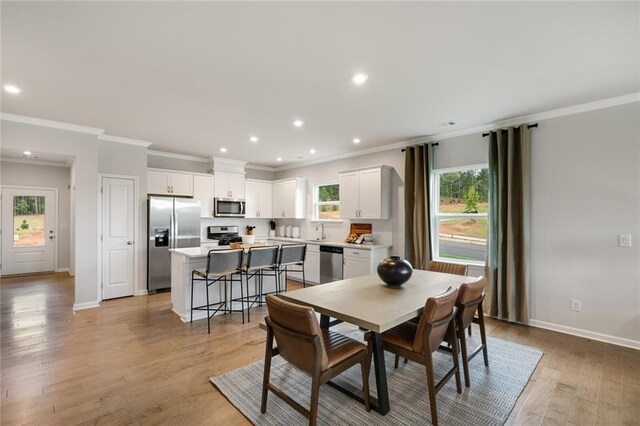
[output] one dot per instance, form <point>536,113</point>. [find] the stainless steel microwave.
<point>229,207</point>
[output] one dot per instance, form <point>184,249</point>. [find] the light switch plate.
<point>625,240</point>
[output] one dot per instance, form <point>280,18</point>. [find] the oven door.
<point>228,207</point>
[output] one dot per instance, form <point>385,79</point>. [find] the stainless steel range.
<point>224,234</point>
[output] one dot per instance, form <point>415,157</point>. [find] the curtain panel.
<point>509,223</point>
<point>417,210</point>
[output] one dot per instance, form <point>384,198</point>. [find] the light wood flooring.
<point>132,361</point>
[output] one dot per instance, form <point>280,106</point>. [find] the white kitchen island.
<point>185,260</point>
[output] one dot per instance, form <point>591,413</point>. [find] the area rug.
<point>493,393</point>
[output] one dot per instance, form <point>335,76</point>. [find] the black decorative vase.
<point>395,271</point>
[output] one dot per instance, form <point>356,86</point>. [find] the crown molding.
<point>50,123</point>
<point>178,156</point>
<point>257,167</point>
<point>35,162</point>
<point>128,141</point>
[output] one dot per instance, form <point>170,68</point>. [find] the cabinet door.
<point>181,184</point>
<point>265,199</point>
<point>289,199</point>
<point>220,185</point>
<point>312,267</point>
<point>349,195</point>
<point>278,200</point>
<point>203,191</point>
<point>356,267</point>
<point>369,194</point>
<point>251,195</point>
<point>157,182</point>
<point>236,185</point>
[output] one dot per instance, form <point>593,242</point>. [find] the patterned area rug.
<point>493,393</point>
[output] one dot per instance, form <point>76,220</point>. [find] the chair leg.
<point>406,360</point>
<point>246,280</point>
<point>366,364</point>
<point>469,330</point>
<point>192,296</point>
<point>242,299</point>
<point>396,361</point>
<point>483,335</point>
<point>304,281</point>
<point>431,386</point>
<point>454,353</point>
<point>267,370</point>
<point>208,317</point>
<point>465,360</point>
<point>315,395</point>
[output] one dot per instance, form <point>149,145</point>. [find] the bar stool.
<point>222,265</point>
<point>291,255</point>
<point>260,261</point>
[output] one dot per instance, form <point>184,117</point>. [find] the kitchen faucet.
<point>322,236</point>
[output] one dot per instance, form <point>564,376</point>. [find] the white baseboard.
<point>63,270</point>
<point>141,292</point>
<point>86,305</point>
<point>620,341</point>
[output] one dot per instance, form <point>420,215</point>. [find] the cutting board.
<point>356,230</point>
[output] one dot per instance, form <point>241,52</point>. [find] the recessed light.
<point>298,123</point>
<point>360,78</point>
<point>312,151</point>
<point>356,140</point>
<point>451,123</point>
<point>253,139</point>
<point>279,159</point>
<point>27,153</point>
<point>10,88</point>
<point>223,149</point>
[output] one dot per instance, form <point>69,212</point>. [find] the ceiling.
<point>196,77</point>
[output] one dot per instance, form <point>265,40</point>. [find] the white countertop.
<point>327,243</point>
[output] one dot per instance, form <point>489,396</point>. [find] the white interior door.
<point>28,230</point>
<point>118,218</point>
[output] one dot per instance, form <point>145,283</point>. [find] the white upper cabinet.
<point>366,193</point>
<point>203,191</point>
<point>290,198</point>
<point>259,198</point>
<point>169,183</point>
<point>228,184</point>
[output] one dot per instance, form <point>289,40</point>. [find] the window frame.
<point>316,203</point>
<point>437,216</point>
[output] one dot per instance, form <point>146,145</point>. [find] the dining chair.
<point>417,342</point>
<point>469,310</point>
<point>222,266</point>
<point>323,354</point>
<point>261,261</point>
<point>291,256</point>
<point>447,268</point>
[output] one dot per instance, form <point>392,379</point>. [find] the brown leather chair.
<point>323,354</point>
<point>417,342</point>
<point>447,268</point>
<point>470,297</point>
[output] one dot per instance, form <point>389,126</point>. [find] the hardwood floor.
<point>132,361</point>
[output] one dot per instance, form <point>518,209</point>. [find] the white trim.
<point>177,156</point>
<point>120,139</point>
<point>620,341</point>
<point>62,270</point>
<point>257,167</point>
<point>50,123</point>
<point>228,165</point>
<point>141,292</point>
<point>35,162</point>
<point>136,220</point>
<point>86,305</point>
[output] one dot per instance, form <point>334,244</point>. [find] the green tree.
<point>21,207</point>
<point>471,199</point>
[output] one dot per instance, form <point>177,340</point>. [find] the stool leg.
<point>304,281</point>
<point>208,317</point>
<point>242,298</point>
<point>246,278</point>
<point>191,315</point>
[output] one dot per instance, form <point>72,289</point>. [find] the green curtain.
<point>417,212</point>
<point>509,221</point>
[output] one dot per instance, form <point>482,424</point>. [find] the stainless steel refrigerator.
<point>173,223</point>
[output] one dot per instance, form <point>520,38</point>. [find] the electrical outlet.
<point>576,305</point>
<point>624,240</point>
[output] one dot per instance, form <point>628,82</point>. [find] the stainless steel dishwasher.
<point>330,264</point>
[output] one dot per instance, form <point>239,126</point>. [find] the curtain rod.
<point>433,144</point>
<point>529,126</point>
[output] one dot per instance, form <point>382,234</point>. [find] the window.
<point>28,220</point>
<point>326,202</point>
<point>461,214</point>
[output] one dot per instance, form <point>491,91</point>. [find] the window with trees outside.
<point>326,205</point>
<point>461,214</point>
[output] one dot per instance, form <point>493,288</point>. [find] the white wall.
<point>22,174</point>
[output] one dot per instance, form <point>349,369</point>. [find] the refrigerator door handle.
<point>175,230</point>
<point>172,233</point>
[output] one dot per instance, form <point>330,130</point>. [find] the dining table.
<point>366,301</point>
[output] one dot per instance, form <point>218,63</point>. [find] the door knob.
<point>51,237</point>
<point>129,243</point>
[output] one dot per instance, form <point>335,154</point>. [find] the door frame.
<point>55,215</point>
<point>136,226</point>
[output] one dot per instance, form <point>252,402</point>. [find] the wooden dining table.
<point>367,302</point>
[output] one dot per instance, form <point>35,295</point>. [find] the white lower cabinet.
<point>359,262</point>
<point>312,264</point>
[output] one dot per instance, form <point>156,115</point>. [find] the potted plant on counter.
<point>250,229</point>
<point>272,228</point>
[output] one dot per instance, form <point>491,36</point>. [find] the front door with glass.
<point>28,230</point>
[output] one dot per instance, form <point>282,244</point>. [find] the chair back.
<point>297,334</point>
<point>447,268</point>
<point>434,322</point>
<point>262,257</point>
<point>291,254</point>
<point>224,262</point>
<point>470,295</point>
